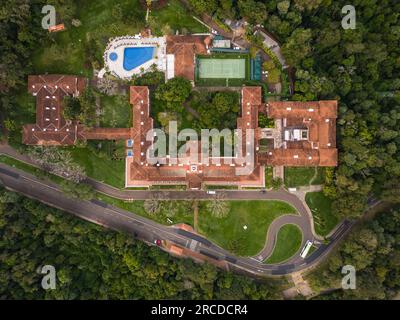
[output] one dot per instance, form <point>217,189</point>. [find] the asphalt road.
<point>147,230</point>
<point>302,220</point>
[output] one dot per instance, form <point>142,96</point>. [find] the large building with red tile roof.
<point>188,170</point>
<point>304,135</point>
<point>182,51</point>
<point>51,128</point>
<point>307,133</point>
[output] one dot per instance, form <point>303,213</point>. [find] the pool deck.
<point>118,45</point>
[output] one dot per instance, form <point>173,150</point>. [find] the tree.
<point>57,161</point>
<point>77,190</point>
<point>96,263</point>
<point>87,102</point>
<point>71,108</point>
<point>174,92</point>
<point>107,86</point>
<point>82,108</point>
<point>152,206</point>
<point>218,207</point>
<point>204,6</point>
<point>283,7</point>
<point>254,11</point>
<point>274,76</point>
<point>297,47</point>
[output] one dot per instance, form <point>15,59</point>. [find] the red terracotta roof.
<point>319,118</point>
<point>51,127</point>
<point>184,48</point>
<point>140,173</point>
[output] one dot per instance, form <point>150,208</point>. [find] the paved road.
<point>302,220</point>
<point>148,230</point>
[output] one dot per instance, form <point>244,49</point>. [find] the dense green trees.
<point>96,263</point>
<point>82,108</point>
<point>361,69</point>
<point>374,251</point>
<point>216,110</point>
<point>173,93</point>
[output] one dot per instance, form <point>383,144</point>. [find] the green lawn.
<point>228,232</point>
<point>184,214</point>
<point>177,17</point>
<point>268,177</point>
<point>324,219</point>
<point>29,169</point>
<point>99,165</point>
<point>75,50</point>
<point>320,177</point>
<point>302,176</point>
<point>72,51</point>
<point>22,113</point>
<point>117,112</point>
<point>288,242</point>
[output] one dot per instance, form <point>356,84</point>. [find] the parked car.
<point>211,192</point>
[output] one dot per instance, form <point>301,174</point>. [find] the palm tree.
<point>218,207</point>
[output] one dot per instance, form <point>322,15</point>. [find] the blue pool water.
<point>113,56</point>
<point>134,57</point>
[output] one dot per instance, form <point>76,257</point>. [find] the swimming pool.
<point>136,56</point>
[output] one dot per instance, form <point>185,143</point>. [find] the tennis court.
<point>222,68</point>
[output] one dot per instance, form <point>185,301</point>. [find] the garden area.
<point>166,212</point>
<point>103,161</point>
<point>304,176</point>
<point>116,111</point>
<point>321,208</point>
<point>244,228</point>
<point>79,49</point>
<point>288,242</point>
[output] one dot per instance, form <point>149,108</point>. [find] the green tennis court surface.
<point>222,68</point>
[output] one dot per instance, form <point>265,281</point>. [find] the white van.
<point>211,192</point>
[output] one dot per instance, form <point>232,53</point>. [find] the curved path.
<point>302,220</point>
<point>147,230</point>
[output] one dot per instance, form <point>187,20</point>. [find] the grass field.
<point>229,233</point>
<point>117,112</point>
<point>26,105</point>
<point>73,51</point>
<point>303,176</point>
<point>99,166</point>
<point>222,68</point>
<point>177,17</point>
<point>288,242</point>
<point>29,169</point>
<point>184,214</point>
<point>321,208</point>
<point>268,177</point>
